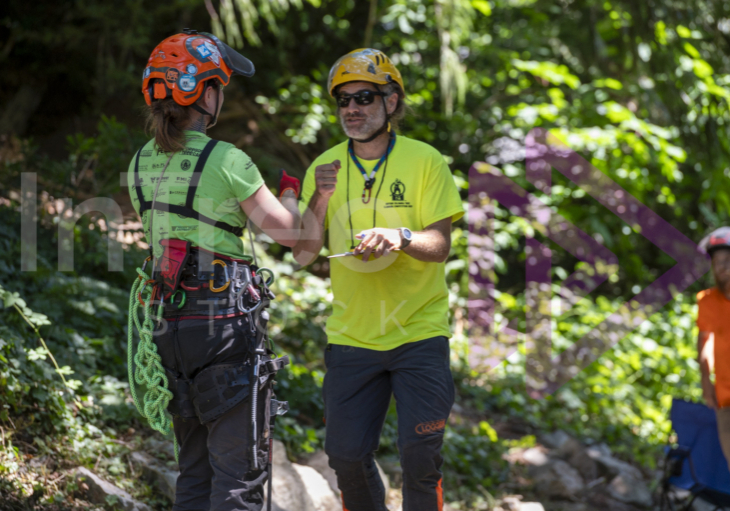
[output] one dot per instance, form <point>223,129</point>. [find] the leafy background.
<point>638,88</point>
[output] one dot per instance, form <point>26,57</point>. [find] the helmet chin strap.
<point>213,117</point>
<point>383,128</point>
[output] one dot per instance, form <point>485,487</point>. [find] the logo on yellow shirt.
<point>398,193</point>
<point>397,190</point>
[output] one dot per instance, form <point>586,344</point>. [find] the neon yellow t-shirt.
<point>229,178</point>
<point>394,300</point>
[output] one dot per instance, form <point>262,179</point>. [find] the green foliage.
<point>639,89</point>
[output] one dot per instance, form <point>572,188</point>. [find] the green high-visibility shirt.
<point>387,302</point>
<point>229,178</point>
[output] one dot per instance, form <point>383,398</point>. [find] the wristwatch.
<point>406,236</point>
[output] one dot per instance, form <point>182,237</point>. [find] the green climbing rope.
<point>145,367</point>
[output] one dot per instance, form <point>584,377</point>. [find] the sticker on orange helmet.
<point>172,75</point>
<point>147,72</point>
<point>187,83</point>
<point>208,50</point>
<point>192,69</point>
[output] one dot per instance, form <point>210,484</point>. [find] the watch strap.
<point>404,242</point>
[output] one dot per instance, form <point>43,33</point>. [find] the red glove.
<point>288,182</point>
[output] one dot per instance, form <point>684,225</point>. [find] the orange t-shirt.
<point>713,315</point>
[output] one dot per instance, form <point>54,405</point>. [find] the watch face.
<point>406,233</point>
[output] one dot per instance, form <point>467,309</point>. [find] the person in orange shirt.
<point>713,341</point>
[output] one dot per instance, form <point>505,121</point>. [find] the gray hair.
<point>401,109</point>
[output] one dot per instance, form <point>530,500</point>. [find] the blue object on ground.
<point>697,464</point>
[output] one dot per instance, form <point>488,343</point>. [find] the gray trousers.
<point>215,464</point>
<point>215,458</point>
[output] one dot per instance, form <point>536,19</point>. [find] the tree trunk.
<point>20,108</point>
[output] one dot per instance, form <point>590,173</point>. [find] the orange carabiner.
<point>144,264</point>
<point>211,283</point>
<point>139,295</point>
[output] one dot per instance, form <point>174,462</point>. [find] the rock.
<point>386,481</point>
<point>569,506</point>
<point>630,490</point>
<point>600,449</point>
<point>394,500</point>
<point>556,439</point>
<point>318,489</point>
<point>320,463</point>
<point>577,456</point>
<point>535,456</point>
<point>557,480</point>
<point>602,501</point>
<point>510,504</point>
<point>702,505</point>
<point>610,466</point>
<point>295,487</point>
<point>157,473</point>
<point>289,492</point>
<point>102,492</point>
<point>165,447</point>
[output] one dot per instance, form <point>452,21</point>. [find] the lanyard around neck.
<point>370,181</point>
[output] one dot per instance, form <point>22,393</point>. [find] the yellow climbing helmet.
<point>363,65</point>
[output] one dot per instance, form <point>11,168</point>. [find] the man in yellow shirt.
<point>388,332</point>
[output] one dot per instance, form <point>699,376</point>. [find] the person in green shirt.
<point>194,196</point>
<point>388,201</point>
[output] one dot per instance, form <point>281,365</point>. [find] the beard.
<point>371,124</point>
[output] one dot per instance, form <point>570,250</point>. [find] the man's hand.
<point>708,393</point>
<point>325,177</point>
<point>379,242</point>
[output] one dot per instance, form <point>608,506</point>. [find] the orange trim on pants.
<point>440,495</point>
<point>343,502</point>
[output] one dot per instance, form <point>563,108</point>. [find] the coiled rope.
<point>145,367</point>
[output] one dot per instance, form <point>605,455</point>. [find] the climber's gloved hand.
<point>287,182</point>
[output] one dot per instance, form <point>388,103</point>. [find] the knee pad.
<point>421,463</point>
<point>355,471</point>
<point>355,468</point>
<point>360,483</point>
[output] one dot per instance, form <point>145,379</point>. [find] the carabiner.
<point>243,309</point>
<point>270,280</point>
<point>189,288</point>
<point>182,302</point>
<point>211,283</point>
<point>144,264</point>
<point>144,285</point>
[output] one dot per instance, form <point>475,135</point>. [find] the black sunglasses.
<point>363,97</point>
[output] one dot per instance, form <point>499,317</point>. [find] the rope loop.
<point>145,366</point>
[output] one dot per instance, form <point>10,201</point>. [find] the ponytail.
<point>168,121</point>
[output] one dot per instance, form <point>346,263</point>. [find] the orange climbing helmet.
<point>363,65</point>
<point>180,65</point>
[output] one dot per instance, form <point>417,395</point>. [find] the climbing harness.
<point>188,282</point>
<point>186,210</point>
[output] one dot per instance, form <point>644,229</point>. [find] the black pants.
<point>215,459</point>
<point>357,389</point>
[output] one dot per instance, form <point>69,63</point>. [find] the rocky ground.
<point>558,474</point>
